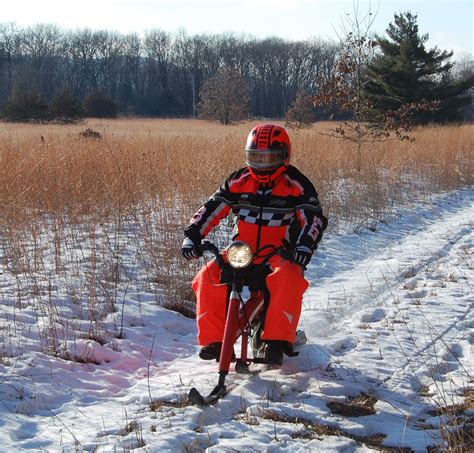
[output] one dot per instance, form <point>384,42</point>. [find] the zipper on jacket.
<point>264,190</point>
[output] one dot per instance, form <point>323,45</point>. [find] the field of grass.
<point>129,194</point>
<point>51,169</point>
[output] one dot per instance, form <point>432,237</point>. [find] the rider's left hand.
<point>190,249</point>
<point>302,255</point>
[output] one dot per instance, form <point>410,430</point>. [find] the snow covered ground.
<point>388,318</point>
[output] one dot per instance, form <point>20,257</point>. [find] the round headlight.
<point>239,254</point>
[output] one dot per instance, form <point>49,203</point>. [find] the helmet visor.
<point>265,159</point>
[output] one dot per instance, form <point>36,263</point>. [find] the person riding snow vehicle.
<point>274,204</point>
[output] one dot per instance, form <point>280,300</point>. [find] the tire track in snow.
<point>419,331</point>
<point>365,278</point>
<point>437,336</point>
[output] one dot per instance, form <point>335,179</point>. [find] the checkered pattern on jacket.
<point>265,216</point>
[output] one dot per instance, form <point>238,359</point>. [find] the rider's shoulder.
<point>293,174</point>
<point>292,171</point>
<point>239,175</point>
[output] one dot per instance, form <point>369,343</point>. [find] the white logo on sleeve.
<point>314,229</point>
<point>198,216</point>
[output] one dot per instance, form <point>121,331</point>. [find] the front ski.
<point>197,399</point>
<point>220,390</point>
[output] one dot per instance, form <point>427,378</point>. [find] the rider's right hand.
<point>191,249</point>
<point>302,255</point>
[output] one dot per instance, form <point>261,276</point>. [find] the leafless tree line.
<point>157,73</point>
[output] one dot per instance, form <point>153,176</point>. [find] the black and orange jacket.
<point>286,209</point>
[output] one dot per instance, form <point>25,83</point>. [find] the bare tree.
<point>343,91</point>
<point>133,76</point>
<point>41,48</point>
<point>225,98</point>
<point>234,52</point>
<point>111,52</point>
<point>83,52</point>
<point>302,112</point>
<point>9,55</point>
<point>159,51</point>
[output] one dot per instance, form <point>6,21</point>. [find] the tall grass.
<point>51,169</point>
<point>105,211</point>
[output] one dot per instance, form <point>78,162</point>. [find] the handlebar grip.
<point>287,255</point>
<point>208,246</point>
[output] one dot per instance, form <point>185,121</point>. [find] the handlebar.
<point>208,246</point>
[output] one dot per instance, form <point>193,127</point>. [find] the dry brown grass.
<point>51,169</point>
<point>60,191</point>
<point>456,423</point>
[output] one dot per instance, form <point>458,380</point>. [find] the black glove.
<point>191,249</point>
<point>302,255</point>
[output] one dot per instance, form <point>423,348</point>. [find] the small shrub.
<point>99,105</point>
<point>26,108</point>
<point>90,133</point>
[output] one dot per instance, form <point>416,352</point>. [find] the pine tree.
<point>65,108</point>
<point>406,72</point>
<point>99,105</point>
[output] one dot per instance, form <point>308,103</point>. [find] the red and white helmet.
<point>267,151</point>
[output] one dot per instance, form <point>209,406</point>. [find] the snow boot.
<point>274,351</point>
<point>211,351</point>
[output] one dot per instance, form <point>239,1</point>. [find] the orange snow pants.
<point>285,284</point>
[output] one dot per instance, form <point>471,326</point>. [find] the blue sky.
<point>448,22</point>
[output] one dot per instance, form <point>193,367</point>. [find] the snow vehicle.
<point>245,313</point>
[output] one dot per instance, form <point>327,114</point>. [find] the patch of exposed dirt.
<point>360,406</point>
<point>315,430</point>
<point>157,405</point>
